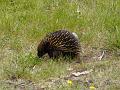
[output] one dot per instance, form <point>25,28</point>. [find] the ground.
<point>23,23</point>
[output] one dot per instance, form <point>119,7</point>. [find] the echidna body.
<point>59,43</point>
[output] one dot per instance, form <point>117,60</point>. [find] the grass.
<point>23,23</point>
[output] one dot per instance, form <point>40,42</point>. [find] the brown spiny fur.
<point>58,43</point>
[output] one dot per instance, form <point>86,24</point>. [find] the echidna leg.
<point>66,54</point>
<point>70,54</point>
<point>56,54</point>
<point>76,55</point>
<point>50,54</point>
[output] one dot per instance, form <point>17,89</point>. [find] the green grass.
<point>23,23</point>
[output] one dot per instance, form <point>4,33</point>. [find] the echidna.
<point>59,43</point>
